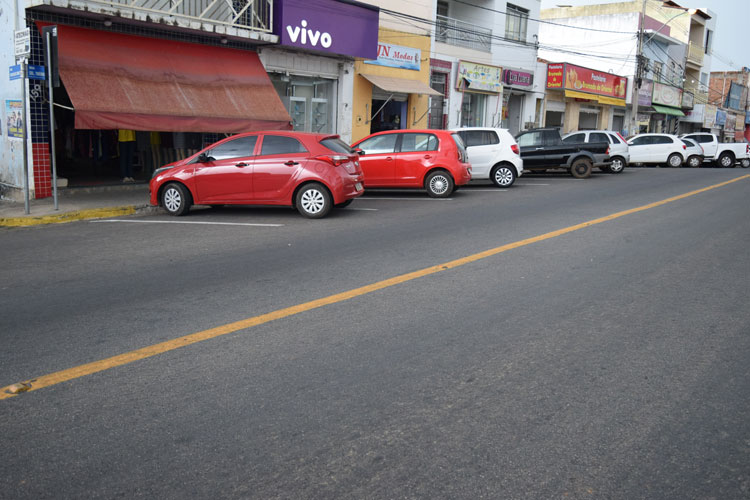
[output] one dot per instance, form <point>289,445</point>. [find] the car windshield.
<point>336,145</point>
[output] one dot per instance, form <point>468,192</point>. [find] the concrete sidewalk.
<point>78,203</point>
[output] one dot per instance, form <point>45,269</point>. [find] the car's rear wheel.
<point>581,168</point>
<point>503,176</point>
<point>313,201</point>
<point>744,163</point>
<point>617,165</point>
<point>674,160</point>
<point>694,161</point>
<point>439,184</point>
<point>176,199</point>
<point>726,160</point>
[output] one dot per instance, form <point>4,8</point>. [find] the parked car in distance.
<point>310,172</point>
<point>493,154</point>
<point>619,154</point>
<point>543,149</point>
<point>723,154</point>
<point>662,149</point>
<point>435,160</point>
<point>694,153</point>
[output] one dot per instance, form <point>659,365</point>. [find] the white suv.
<point>619,154</point>
<point>493,154</point>
<point>665,149</point>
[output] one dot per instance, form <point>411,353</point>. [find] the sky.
<point>731,23</point>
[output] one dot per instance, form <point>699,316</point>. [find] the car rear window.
<point>574,138</point>
<point>459,144</point>
<point>336,145</point>
<point>598,137</point>
<point>479,137</point>
<point>419,142</point>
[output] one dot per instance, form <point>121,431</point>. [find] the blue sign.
<point>15,72</point>
<point>36,72</point>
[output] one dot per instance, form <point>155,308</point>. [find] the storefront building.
<point>136,93</point>
<point>580,98</point>
<point>667,104</point>
<point>481,89</point>
<point>517,85</point>
<point>392,90</point>
<point>312,68</point>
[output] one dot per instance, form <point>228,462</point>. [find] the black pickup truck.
<point>543,149</point>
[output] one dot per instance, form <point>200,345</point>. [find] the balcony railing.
<point>463,34</point>
<point>695,54</point>
<point>256,15</point>
<point>701,95</point>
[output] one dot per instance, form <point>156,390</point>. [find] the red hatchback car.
<point>431,159</point>
<point>311,172</point>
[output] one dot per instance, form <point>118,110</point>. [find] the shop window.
<point>438,81</point>
<point>418,142</point>
<point>236,148</point>
<point>516,19</point>
<point>472,109</point>
<point>553,119</point>
<point>308,101</point>
<point>588,121</point>
<point>380,144</point>
<point>280,144</point>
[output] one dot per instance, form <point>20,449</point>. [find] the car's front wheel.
<point>313,201</point>
<point>674,160</point>
<point>176,199</point>
<point>439,184</point>
<point>503,176</point>
<point>744,163</point>
<point>694,161</point>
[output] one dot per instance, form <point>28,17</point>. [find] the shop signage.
<point>338,27</point>
<point>571,77</point>
<point>396,56</point>
<point>22,39</point>
<point>518,78</point>
<point>667,95</point>
<point>481,77</point>
<point>747,117</point>
<point>721,118</point>
<point>14,118</point>
<point>709,116</point>
<point>644,93</point>
<point>688,100</point>
<point>739,123</point>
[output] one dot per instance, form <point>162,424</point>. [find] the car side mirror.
<point>359,151</point>
<point>203,158</point>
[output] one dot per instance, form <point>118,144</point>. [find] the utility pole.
<point>637,74</point>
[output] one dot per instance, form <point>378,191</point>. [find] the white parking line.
<point>188,222</point>
<point>408,199</point>
<point>368,209</point>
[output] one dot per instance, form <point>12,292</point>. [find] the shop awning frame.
<point>124,81</point>
<point>667,110</point>
<point>395,85</point>
<point>612,101</point>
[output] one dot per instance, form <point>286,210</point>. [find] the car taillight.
<point>684,146</point>
<point>514,148</point>
<point>334,160</point>
<point>607,153</point>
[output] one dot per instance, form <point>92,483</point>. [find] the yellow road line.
<point>170,345</point>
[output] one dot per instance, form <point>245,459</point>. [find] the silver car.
<point>619,154</point>
<point>694,153</point>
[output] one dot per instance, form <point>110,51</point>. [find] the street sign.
<point>23,42</point>
<point>35,72</point>
<point>15,72</point>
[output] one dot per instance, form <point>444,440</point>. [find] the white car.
<point>724,154</point>
<point>663,149</point>
<point>694,153</point>
<point>493,154</point>
<point>619,151</point>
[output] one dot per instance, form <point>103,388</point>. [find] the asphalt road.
<point>605,361</point>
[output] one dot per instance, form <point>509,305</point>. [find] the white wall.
<point>11,150</point>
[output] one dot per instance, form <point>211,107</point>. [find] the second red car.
<point>431,159</point>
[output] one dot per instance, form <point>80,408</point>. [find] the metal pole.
<point>637,74</point>
<point>51,120</point>
<point>25,120</point>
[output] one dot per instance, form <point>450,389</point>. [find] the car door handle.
<point>427,157</point>
<point>291,163</point>
<point>388,158</point>
<point>240,164</point>
<point>538,149</point>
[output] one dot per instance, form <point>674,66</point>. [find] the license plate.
<point>358,186</point>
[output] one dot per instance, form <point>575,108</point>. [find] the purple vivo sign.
<point>336,26</point>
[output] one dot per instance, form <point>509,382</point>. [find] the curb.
<point>94,213</point>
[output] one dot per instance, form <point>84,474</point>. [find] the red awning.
<point>133,82</point>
